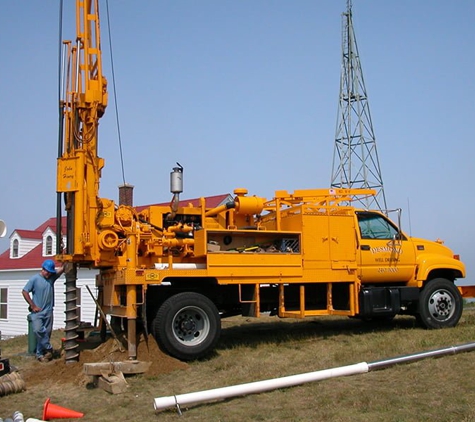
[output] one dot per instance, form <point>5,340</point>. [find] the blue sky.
<point>245,94</point>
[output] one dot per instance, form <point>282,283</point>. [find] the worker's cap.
<point>49,266</point>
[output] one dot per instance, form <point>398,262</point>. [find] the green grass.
<point>253,349</point>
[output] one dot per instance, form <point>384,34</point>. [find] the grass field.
<point>434,389</point>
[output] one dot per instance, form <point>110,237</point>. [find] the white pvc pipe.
<point>258,386</point>
<point>180,266</point>
<point>273,384</point>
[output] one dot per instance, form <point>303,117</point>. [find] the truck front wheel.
<point>187,326</point>
<point>440,304</point>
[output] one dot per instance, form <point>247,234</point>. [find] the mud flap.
<point>467,291</point>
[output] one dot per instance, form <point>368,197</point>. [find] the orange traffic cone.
<point>53,411</point>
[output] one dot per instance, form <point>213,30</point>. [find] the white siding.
<point>24,245</point>
<point>16,322</point>
<point>17,309</point>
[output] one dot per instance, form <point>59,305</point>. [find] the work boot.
<point>41,359</point>
<point>49,354</point>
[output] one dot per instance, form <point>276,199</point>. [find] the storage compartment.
<point>246,241</point>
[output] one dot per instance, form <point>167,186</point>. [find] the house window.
<point>15,249</point>
<point>3,303</point>
<point>49,245</point>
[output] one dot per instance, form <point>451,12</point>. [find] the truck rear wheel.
<point>440,304</point>
<point>187,326</point>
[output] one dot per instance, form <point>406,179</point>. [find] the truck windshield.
<point>375,226</point>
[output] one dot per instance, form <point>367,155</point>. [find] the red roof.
<point>34,259</point>
<point>38,232</point>
<point>51,223</point>
<point>29,234</point>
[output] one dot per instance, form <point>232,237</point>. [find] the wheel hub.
<point>187,325</point>
<point>191,326</point>
<point>441,305</point>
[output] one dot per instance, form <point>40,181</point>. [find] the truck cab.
<point>403,274</point>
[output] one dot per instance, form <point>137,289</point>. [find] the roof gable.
<point>27,234</point>
<point>48,232</point>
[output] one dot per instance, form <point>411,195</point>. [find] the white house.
<point>28,249</point>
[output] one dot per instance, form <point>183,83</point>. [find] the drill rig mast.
<point>79,166</point>
<point>84,100</point>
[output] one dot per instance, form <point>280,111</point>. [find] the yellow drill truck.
<point>178,270</point>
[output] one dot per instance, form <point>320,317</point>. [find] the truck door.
<point>385,254</point>
<point>342,243</point>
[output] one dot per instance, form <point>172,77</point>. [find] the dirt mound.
<point>58,371</point>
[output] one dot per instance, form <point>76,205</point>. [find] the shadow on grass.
<point>253,334</point>
<point>271,330</point>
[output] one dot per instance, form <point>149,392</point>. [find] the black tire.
<point>440,304</point>
<point>187,326</point>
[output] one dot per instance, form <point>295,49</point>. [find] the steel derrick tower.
<point>355,157</point>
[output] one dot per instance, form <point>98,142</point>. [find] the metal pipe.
<point>383,364</point>
<point>61,105</point>
<point>220,208</point>
<point>289,381</point>
<point>132,321</point>
<point>105,321</point>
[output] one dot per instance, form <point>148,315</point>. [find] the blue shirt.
<point>43,291</point>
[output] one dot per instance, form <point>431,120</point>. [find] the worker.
<point>41,303</point>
